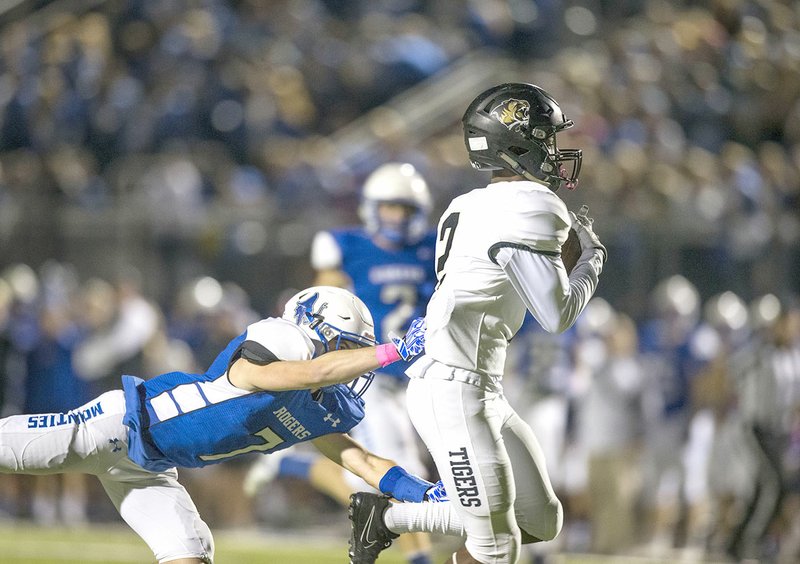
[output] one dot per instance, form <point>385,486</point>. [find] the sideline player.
<point>279,383</point>
<point>498,253</point>
<point>388,263</point>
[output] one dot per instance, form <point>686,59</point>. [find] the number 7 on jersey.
<point>448,230</point>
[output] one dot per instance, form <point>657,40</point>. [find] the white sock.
<point>424,517</point>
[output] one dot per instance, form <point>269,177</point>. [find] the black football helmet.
<point>513,126</point>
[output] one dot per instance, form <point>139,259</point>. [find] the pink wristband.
<point>386,354</point>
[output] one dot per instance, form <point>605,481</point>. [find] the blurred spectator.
<point>118,347</point>
<point>766,379</point>
<point>718,471</point>
<point>609,426</point>
<point>6,299</point>
<point>51,385</point>
<point>669,363</point>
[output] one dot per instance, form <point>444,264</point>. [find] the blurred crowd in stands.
<point>199,132</point>
<point>150,149</point>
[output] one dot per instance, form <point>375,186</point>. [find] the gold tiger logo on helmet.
<point>512,113</point>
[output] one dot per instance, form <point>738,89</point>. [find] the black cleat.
<point>369,535</point>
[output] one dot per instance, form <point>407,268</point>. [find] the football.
<point>571,250</point>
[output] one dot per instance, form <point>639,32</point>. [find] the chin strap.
<point>516,167</point>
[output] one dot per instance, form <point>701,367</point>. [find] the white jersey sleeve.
<point>554,299</point>
<point>325,252</point>
<point>497,255</point>
<point>281,339</point>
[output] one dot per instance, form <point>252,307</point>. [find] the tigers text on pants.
<point>489,460</point>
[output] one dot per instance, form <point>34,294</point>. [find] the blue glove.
<point>414,341</point>
<point>436,493</point>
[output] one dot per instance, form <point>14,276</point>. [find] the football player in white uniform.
<point>498,253</point>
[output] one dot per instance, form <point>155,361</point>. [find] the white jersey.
<point>498,254</point>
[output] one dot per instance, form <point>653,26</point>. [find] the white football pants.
<point>489,460</point>
<point>92,440</point>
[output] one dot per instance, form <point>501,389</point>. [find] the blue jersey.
<point>672,359</point>
<point>395,284</point>
<point>192,420</point>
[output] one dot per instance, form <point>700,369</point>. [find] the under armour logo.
<point>334,421</point>
<point>116,444</point>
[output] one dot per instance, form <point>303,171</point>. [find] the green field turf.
<point>115,544</point>
<point>27,544</point>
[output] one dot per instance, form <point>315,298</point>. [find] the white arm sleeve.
<point>325,252</point>
<point>553,298</point>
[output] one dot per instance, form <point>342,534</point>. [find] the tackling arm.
<point>351,456</point>
<point>380,473</point>
<point>335,367</point>
<point>261,370</point>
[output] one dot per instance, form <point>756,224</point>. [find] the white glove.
<point>590,242</point>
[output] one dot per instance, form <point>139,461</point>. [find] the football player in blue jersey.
<point>283,381</point>
<point>388,263</point>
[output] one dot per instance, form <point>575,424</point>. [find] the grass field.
<point>27,544</point>
<point>115,544</point>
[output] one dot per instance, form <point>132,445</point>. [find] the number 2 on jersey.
<point>396,321</point>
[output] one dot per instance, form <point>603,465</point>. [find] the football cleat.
<point>369,535</point>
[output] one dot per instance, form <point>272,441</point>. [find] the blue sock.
<point>295,466</point>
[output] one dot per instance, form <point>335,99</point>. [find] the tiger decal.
<point>512,113</point>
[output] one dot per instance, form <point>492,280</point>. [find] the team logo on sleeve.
<point>512,113</point>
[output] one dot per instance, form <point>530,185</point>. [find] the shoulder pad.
<point>279,338</point>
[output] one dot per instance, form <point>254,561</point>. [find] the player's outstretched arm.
<point>335,367</point>
<point>380,473</point>
<point>258,370</point>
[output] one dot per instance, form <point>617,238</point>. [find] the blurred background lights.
<point>207,292</point>
<point>765,310</point>
<point>580,20</point>
<point>250,237</point>
<point>677,294</point>
<point>727,311</point>
<point>23,282</point>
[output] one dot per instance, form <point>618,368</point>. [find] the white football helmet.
<point>333,316</point>
<point>396,183</point>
